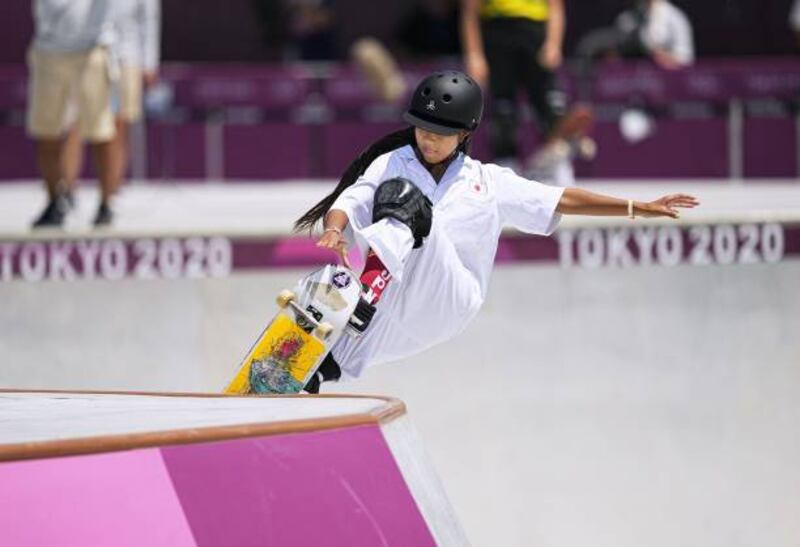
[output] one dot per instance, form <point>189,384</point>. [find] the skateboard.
<point>379,68</point>
<point>569,140</point>
<point>573,131</point>
<point>311,318</point>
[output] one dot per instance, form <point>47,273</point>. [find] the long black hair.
<point>389,142</point>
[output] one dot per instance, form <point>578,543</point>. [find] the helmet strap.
<point>437,170</point>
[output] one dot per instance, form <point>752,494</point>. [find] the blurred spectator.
<point>70,54</point>
<point>510,45</point>
<point>654,29</point>
<point>667,35</point>
<point>379,68</point>
<point>794,20</point>
<point>430,29</point>
<point>138,24</point>
<point>650,28</point>
<point>313,30</point>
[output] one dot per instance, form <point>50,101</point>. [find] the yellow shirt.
<point>537,10</point>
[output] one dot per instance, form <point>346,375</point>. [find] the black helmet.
<point>446,103</point>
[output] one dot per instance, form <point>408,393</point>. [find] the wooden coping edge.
<point>392,409</point>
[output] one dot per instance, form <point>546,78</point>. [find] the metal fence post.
<point>735,141</point>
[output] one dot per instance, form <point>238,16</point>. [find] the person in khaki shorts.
<point>69,56</point>
<point>138,25</point>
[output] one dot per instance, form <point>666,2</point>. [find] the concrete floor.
<point>609,407</point>
<point>229,208</point>
<point>647,406</point>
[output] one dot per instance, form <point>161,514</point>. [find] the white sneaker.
<point>551,164</point>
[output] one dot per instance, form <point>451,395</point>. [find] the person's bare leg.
<point>72,158</point>
<point>102,153</point>
<point>121,154</point>
<point>48,158</point>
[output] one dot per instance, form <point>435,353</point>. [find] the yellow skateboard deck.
<point>312,317</point>
<point>284,354</point>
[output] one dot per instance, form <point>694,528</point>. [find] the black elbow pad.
<point>400,199</point>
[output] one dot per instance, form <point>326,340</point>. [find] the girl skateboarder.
<point>428,218</point>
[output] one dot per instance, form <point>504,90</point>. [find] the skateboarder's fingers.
<point>682,200</point>
<point>342,249</point>
<point>336,243</point>
<point>329,240</point>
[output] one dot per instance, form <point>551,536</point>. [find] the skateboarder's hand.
<point>667,206</point>
<point>477,68</point>
<point>334,240</point>
<point>550,56</point>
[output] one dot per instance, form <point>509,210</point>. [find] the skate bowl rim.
<point>390,410</point>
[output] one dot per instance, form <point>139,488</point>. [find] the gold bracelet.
<point>333,229</point>
<point>630,210</point>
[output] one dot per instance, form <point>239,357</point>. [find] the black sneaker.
<point>53,215</point>
<point>104,215</point>
<point>328,371</point>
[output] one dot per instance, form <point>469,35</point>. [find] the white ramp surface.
<point>182,464</point>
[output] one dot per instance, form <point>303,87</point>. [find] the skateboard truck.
<point>287,299</point>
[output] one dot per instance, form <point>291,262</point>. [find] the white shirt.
<point>139,29</point>
<point>437,289</point>
<point>794,16</point>
<point>669,29</point>
<point>67,26</point>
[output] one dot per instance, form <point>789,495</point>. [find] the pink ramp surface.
<point>119,498</point>
<point>339,487</point>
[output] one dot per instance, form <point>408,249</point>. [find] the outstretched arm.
<point>550,55</point>
<point>472,42</point>
<point>576,201</point>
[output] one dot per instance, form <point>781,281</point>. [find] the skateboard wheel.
<point>284,298</point>
<point>324,330</point>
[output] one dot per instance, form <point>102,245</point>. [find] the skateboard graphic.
<point>311,319</point>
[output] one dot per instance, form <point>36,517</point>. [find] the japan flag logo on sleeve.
<point>478,187</point>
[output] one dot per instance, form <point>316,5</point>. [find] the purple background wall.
<point>279,140</point>
<point>209,30</point>
<point>274,121</point>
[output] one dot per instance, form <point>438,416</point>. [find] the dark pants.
<point>512,49</point>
